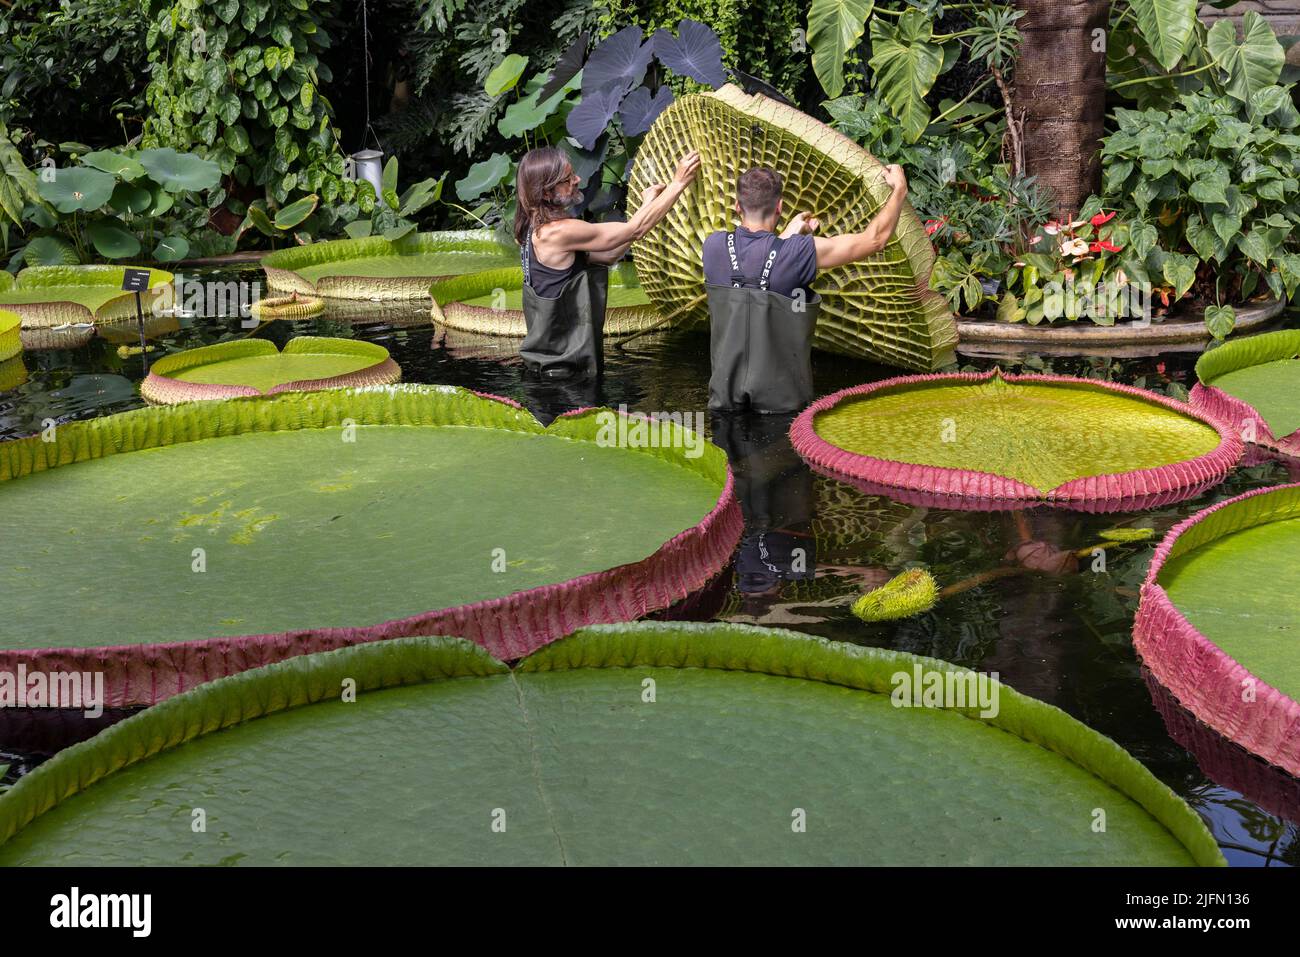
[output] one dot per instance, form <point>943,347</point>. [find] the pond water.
<point>1059,634</point>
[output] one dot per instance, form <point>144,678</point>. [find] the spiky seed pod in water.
<point>287,307</point>
<point>911,593</point>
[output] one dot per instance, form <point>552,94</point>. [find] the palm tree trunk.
<point>1060,95</point>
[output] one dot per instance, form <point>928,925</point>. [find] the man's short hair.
<point>758,190</point>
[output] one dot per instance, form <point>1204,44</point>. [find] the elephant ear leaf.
<point>589,119</point>
<point>619,61</point>
<point>834,29</point>
<point>1254,63</point>
<point>695,52</point>
<point>1167,26</point>
<point>641,109</point>
<point>566,68</point>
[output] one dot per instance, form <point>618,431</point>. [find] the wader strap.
<point>525,252</point>
<point>738,279</point>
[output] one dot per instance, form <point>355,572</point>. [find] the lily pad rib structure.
<point>165,385</point>
<point>589,778</point>
<point>1205,679</point>
<point>974,490</point>
<point>880,309</point>
<point>509,627</point>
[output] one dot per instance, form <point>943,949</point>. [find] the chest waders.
<point>565,337</point>
<point>760,342</point>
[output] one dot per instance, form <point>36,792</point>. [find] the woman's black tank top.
<point>545,280</point>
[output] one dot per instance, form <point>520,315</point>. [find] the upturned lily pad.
<point>48,296</point>
<point>881,309</point>
<point>11,342</point>
<point>375,268</point>
<point>256,367</point>
<point>327,518</point>
<point>994,441</point>
<point>1219,623</point>
<point>1253,384</point>
<point>501,313</point>
<point>636,744</point>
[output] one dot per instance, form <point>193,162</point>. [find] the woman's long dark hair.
<point>540,172</point>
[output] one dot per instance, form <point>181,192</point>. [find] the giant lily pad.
<point>376,268</point>
<point>1219,624</point>
<point>994,441</point>
<point>49,296</point>
<point>1253,384</point>
<point>501,313</point>
<point>881,309</point>
<point>11,342</point>
<point>256,367</point>
<point>327,518</point>
<point>614,746</point>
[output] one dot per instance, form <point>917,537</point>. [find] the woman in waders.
<point>566,260</point>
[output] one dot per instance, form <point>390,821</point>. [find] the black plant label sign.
<point>135,280</point>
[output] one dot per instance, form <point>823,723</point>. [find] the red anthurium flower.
<point>1104,246</point>
<point>932,225</point>
<point>1101,219</point>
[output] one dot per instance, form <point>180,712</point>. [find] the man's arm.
<point>835,251</point>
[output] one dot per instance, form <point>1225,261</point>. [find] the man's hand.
<point>650,192</point>
<point>687,167</point>
<point>896,179</point>
<point>801,223</point>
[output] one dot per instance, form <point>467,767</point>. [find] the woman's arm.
<point>575,235</point>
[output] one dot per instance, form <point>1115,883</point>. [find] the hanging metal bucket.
<point>368,165</point>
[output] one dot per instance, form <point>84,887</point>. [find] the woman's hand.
<point>650,192</point>
<point>687,167</point>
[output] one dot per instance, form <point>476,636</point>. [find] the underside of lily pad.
<point>993,441</point>
<point>50,296</point>
<point>377,269</point>
<point>881,309</point>
<point>755,746</point>
<point>628,310</point>
<point>1253,384</point>
<point>248,367</point>
<point>250,530</point>
<point>1219,624</point>
<point>293,306</point>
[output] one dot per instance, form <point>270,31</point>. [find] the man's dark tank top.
<point>545,280</point>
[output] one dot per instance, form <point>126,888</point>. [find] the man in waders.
<point>566,260</point>
<point>762,309</point>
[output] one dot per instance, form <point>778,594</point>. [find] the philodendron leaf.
<point>112,240</point>
<point>905,65</point>
<point>1167,27</point>
<point>505,74</point>
<point>1220,321</point>
<point>483,177</point>
<point>171,249</point>
<point>1180,272</point>
<point>834,28</point>
<point>179,172</point>
<point>695,52</point>
<point>1252,64</point>
<point>77,189</point>
<point>914,592</point>
<point>288,217</point>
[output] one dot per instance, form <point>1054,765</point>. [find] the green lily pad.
<point>124,167</point>
<point>759,747</point>
<point>1264,372</point>
<point>112,240</point>
<point>48,296</point>
<point>179,172</point>
<point>377,268</point>
<point>77,189</point>
<point>425,480</point>
<point>245,366</point>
